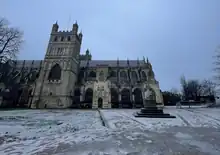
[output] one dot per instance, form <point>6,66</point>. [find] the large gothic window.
<point>55,73</point>
<point>123,75</point>
<point>143,74</point>
<point>92,74</point>
<point>101,76</point>
<point>134,76</point>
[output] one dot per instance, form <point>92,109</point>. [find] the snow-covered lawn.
<point>82,132</point>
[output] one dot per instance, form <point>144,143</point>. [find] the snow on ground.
<point>155,123</point>
<point>211,112</point>
<point>195,117</point>
<point>39,130</point>
<point>115,120</point>
<point>81,132</point>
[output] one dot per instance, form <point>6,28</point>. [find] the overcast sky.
<point>178,36</point>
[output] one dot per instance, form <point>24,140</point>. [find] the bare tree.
<point>208,88</point>
<point>191,89</point>
<point>184,87</point>
<point>10,41</point>
<point>217,68</point>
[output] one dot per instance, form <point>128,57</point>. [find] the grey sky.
<point>178,37</point>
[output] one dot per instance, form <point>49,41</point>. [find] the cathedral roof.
<point>83,63</point>
<point>111,63</point>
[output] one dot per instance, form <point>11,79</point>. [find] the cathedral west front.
<point>66,78</point>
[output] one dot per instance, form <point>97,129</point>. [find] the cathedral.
<point>68,79</point>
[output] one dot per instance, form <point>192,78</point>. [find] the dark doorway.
<point>138,99</point>
<point>100,103</point>
<point>76,98</point>
<point>114,98</point>
<point>88,98</point>
<point>125,98</point>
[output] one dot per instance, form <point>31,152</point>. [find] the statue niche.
<point>149,94</point>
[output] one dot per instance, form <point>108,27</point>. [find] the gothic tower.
<point>58,75</point>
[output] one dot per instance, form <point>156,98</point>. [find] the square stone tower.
<point>55,85</point>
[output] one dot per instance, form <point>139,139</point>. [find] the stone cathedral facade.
<point>66,78</point>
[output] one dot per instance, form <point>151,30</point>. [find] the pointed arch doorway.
<point>100,102</point>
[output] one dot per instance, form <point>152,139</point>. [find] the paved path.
<point>188,139</point>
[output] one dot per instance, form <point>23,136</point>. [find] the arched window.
<point>69,38</point>
<point>62,39</point>
<point>123,75</point>
<point>101,76</point>
<point>134,76</point>
<point>55,73</point>
<point>55,38</point>
<point>143,74</point>
<point>92,74</point>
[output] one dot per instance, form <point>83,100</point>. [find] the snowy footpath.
<point>109,132</point>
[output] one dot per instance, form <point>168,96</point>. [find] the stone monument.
<point>149,98</point>
<point>150,109</point>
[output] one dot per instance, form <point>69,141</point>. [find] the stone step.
<point>140,113</point>
<point>151,111</point>
<point>154,116</point>
<point>151,108</point>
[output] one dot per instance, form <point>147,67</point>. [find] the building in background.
<point>66,78</point>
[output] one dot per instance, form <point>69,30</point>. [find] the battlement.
<point>65,31</point>
<point>62,34</point>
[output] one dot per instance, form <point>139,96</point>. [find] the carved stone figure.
<point>148,94</point>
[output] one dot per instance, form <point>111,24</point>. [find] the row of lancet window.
<point>62,38</point>
<point>122,74</point>
<point>55,74</point>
